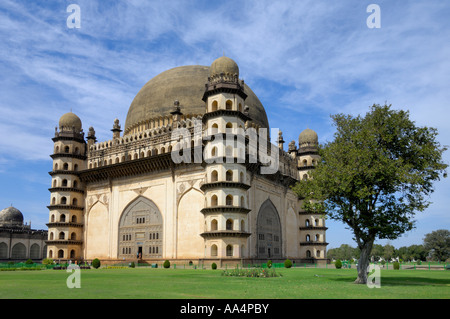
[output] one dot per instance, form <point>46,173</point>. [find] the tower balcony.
<point>225,233</point>
<point>313,243</point>
<point>227,184</point>
<point>62,206</point>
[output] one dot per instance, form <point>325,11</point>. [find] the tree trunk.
<point>363,263</point>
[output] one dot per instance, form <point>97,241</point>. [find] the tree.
<point>438,242</point>
<point>374,176</point>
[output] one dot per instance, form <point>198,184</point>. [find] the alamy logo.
<point>74,19</point>
<point>374,20</point>
<point>230,146</point>
<point>74,280</point>
<point>374,277</point>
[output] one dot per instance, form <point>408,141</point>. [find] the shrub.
<point>338,264</point>
<point>132,265</point>
<point>47,261</point>
<point>29,262</point>
<point>269,264</point>
<point>166,264</point>
<point>396,265</point>
<point>287,263</point>
<point>96,263</point>
<point>213,266</point>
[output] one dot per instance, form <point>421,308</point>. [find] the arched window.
<point>73,236</point>
<point>229,251</point>
<point>214,106</point>
<point>64,182</point>
<point>229,105</point>
<point>229,224</point>
<point>52,219</point>
<point>214,128</point>
<point>63,200</point>
<point>62,218</point>
<point>318,253</point>
<point>317,237</point>
<point>214,176</point>
<point>214,225</point>
<point>214,151</point>
<point>229,128</point>
<point>240,107</point>
<point>74,202</point>
<point>61,235</point>
<point>316,222</point>
<point>53,201</point>
<point>241,177</point>
<point>229,176</point>
<point>66,149</point>
<point>51,236</point>
<point>74,219</point>
<point>242,225</point>
<point>242,203</point>
<point>308,238</point>
<point>229,200</point>
<point>308,253</point>
<point>75,167</point>
<point>214,250</point>
<point>60,253</point>
<point>307,223</point>
<point>72,253</point>
<point>75,184</point>
<point>305,162</point>
<point>65,166</point>
<point>214,201</point>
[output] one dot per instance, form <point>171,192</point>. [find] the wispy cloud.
<point>304,59</point>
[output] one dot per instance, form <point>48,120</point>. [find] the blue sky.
<point>305,60</point>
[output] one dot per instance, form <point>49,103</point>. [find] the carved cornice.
<point>313,243</point>
<point>214,185</point>
<point>53,207</point>
<point>225,209</point>
<point>225,233</point>
<point>65,189</point>
<point>64,224</point>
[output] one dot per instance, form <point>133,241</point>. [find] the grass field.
<point>295,283</point>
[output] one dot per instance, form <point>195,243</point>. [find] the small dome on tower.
<point>11,217</point>
<point>308,138</point>
<point>69,121</point>
<point>224,65</point>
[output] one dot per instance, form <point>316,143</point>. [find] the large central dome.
<point>187,85</point>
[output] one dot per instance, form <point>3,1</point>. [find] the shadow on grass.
<point>401,280</point>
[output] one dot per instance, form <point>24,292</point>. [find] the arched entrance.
<point>268,232</point>
<point>141,230</point>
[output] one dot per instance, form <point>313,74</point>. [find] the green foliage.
<point>374,176</point>
<point>269,264</point>
<point>166,264</point>
<point>338,264</point>
<point>47,261</point>
<point>132,265</point>
<point>287,263</point>
<point>376,173</point>
<point>96,263</point>
<point>29,262</point>
<point>252,272</point>
<point>396,265</point>
<point>213,266</point>
<point>438,243</point>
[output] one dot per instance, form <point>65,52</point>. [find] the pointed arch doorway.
<point>141,230</point>
<point>268,232</point>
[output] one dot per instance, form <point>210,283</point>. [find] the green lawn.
<point>297,283</point>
